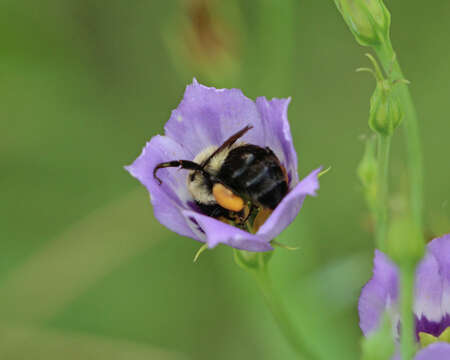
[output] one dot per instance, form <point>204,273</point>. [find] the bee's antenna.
<point>183,164</point>
<point>230,141</point>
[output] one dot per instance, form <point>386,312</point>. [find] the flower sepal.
<point>252,261</point>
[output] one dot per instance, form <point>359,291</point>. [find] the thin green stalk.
<point>384,144</point>
<point>388,59</point>
<point>279,313</point>
<point>407,336</point>
<point>386,54</point>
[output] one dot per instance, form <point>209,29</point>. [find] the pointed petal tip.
<point>311,182</point>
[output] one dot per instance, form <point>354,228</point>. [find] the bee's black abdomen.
<point>255,173</point>
<point>272,196</point>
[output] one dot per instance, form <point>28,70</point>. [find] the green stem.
<point>407,336</point>
<point>388,59</point>
<point>386,54</point>
<point>279,313</point>
<point>384,144</point>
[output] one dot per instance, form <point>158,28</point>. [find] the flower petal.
<point>277,133</point>
<point>218,232</point>
<point>171,197</point>
<point>379,294</point>
<point>437,351</point>
<point>207,116</point>
<point>440,248</point>
<point>428,292</point>
<point>289,207</point>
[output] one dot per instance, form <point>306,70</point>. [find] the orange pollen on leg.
<point>227,199</point>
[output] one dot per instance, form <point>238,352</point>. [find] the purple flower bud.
<point>204,120</point>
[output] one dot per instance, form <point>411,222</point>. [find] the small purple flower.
<point>207,117</point>
<point>432,297</point>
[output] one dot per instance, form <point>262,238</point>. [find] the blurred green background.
<point>86,272</point>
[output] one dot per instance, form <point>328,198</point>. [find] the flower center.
<point>252,218</point>
<point>433,331</point>
<point>239,184</point>
<point>427,339</point>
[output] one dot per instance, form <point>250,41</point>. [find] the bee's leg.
<point>183,164</point>
<point>243,219</point>
<point>221,212</point>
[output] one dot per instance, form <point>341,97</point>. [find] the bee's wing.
<point>230,141</point>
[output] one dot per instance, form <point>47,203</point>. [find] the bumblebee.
<point>234,180</point>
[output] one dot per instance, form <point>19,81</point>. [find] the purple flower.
<point>207,117</point>
<point>431,302</point>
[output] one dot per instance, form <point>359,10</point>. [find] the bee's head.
<point>202,183</point>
